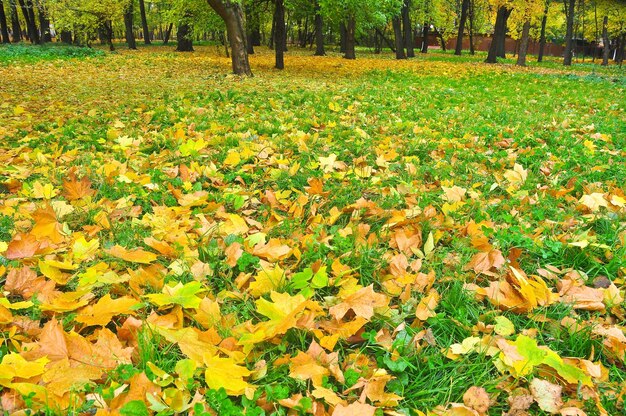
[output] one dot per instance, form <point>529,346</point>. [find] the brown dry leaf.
<point>273,251</point>
<point>136,255</point>
<point>161,246</point>
<point>233,253</point>
<point>547,395</point>
<point>477,398</point>
<point>77,189</point>
<point>580,296</point>
<point>305,367</point>
<point>22,246</point>
<point>426,307</point>
<point>486,262</point>
<point>26,283</point>
<point>362,303</point>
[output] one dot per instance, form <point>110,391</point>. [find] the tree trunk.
<point>350,38</point>
<point>3,25</point>
<point>523,47</point>
<point>233,16</point>
<point>397,31</point>
<point>144,23</point>
<point>250,30</point>
<point>425,32</point>
<point>471,19</point>
<point>108,30</point>
<point>66,37</point>
<point>569,36</point>
<point>342,37</point>
<point>15,22</point>
<point>620,49</point>
<point>542,37</point>
<point>499,34</point>
<point>30,24</point>
<point>31,14</point>
<point>279,33</point>
<point>606,51</point>
<point>167,34</point>
<point>44,23</point>
<point>184,42</point>
<point>319,32</point>
<point>409,41</point>
<point>128,25</point>
<point>459,37</point>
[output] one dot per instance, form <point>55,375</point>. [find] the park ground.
<point>429,236</point>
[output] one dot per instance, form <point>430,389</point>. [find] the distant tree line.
<point>404,26</point>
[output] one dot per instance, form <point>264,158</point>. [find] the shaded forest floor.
<point>343,237</point>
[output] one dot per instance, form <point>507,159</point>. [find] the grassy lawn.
<point>393,232</point>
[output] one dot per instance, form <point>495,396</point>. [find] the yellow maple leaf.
<point>105,309</point>
<point>225,373</point>
<point>134,256</point>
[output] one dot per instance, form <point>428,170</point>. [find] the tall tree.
<point>44,22</point>
<point>15,22</point>
<point>31,26</point>
<point>3,25</point>
<point>570,6</point>
<point>280,33</point>
<point>459,39</point>
<point>144,23</point>
<point>350,37</point>
<point>319,31</point>
<point>499,34</point>
<point>232,13</point>
<point>184,40</point>
<point>397,31</point>
<point>606,50</point>
<point>128,25</point>
<point>409,40</point>
<point>542,36</point>
<point>425,34</point>
<point>523,48</point>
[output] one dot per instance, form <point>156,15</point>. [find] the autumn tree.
<point>570,7</point>
<point>144,23</point>
<point>4,28</point>
<point>496,48</point>
<point>232,14</point>
<point>459,39</point>
<point>365,14</point>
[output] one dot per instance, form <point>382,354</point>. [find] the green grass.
<point>49,52</point>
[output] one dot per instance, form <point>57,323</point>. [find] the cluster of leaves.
<point>404,237</point>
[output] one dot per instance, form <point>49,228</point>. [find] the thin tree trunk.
<point>279,33</point>
<point>144,23</point>
<point>167,34</point>
<point>128,25</point>
<point>620,49</point>
<point>459,38</point>
<point>184,42</point>
<point>606,51</point>
<point>542,37</point>
<point>425,32</point>
<point>3,25</point>
<point>523,47</point>
<point>471,28</point>
<point>350,38</point>
<point>233,16</point>
<point>249,26</point>
<point>409,41</point>
<point>569,36</point>
<point>319,32</point>
<point>108,28</point>
<point>397,31</point>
